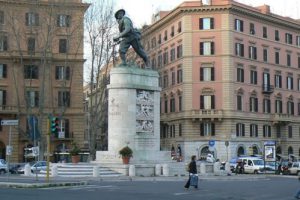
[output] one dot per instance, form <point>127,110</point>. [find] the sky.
<point>141,11</point>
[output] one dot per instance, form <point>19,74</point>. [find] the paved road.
<point>273,188</point>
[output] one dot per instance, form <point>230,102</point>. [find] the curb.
<point>41,185</point>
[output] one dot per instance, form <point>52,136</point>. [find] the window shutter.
<point>201,74</point>
<point>212,101</point>
<point>243,129</point>
<point>202,129</point>
<point>201,48</point>
<point>5,43</point>
<point>201,23</point>
<point>236,49</point>
<point>251,130</point>
<point>292,108</point>
<point>57,72</point>
<point>58,20</point>
<point>212,23</point>
<point>67,129</point>
<point>255,54</point>
<point>212,48</point>
<point>68,73</point>
<point>27,19</point>
<point>242,50</point>
<point>201,102</point>
<point>68,22</point>
<point>4,97</point>
<point>235,24</point>
<point>256,104</point>
<point>242,26</point>
<point>4,71</point>
<point>36,98</point>
<point>250,104</point>
<point>212,129</point>
<point>37,19</point>
<point>237,129</point>
<point>212,74</point>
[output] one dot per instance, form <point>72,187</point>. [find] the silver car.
<point>3,166</point>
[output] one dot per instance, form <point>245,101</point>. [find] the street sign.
<point>211,145</point>
<point>9,122</point>
<point>9,150</point>
<point>35,151</point>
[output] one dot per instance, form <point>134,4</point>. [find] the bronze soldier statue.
<point>130,37</point>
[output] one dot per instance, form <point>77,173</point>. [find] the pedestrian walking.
<point>298,193</point>
<point>193,175</point>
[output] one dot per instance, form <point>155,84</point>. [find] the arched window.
<point>203,153</point>
<point>255,150</point>
<point>240,151</point>
<point>278,150</point>
<point>290,150</point>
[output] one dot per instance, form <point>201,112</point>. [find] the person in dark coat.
<point>192,171</point>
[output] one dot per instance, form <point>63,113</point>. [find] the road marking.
<point>180,193</point>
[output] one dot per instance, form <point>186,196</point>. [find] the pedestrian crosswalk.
<point>83,187</point>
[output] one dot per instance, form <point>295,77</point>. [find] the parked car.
<point>253,165</point>
<point>3,166</point>
<point>35,167</point>
<point>295,168</point>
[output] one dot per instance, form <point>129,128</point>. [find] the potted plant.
<point>74,152</point>
<point>126,154</point>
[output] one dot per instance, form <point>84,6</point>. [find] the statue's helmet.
<point>119,11</point>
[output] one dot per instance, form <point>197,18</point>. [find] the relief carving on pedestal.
<point>144,111</point>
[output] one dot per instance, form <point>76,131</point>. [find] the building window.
<point>3,43</point>
<point>277,57</point>
<point>239,100</point>
<point>179,27</point>
<point>298,40</point>
<point>207,102</point>
<point>172,52</point>
<point>265,32</point>
<point>166,35</point>
<point>63,20</point>
<point>173,77</point>
<point>207,129</point>
<point>288,60</point>
<point>290,108</point>
<point>31,72</point>
<point>252,29</point>
<point>159,60</point>
<point>267,131</point>
<point>165,57</point>
<point>298,61</point>
<point>240,130</point>
<point>288,38</point>
<point>172,104</point>
<point>253,130</point>
<point>266,81</point>
<point>239,25</point>
<point>166,105</point>
<point>298,83</point>
<point>159,39</point>
<point>63,98</point>
<point>62,73</point>
<point>179,51</point>
<point>290,131</point>
<point>207,74</point>
<point>153,63</point>
<point>278,106</point>
<point>180,103</point>
<point>265,55</point>
<point>207,48</point>
<point>2,99</point>
<point>165,81</point>
<point>266,105</point>
<point>179,130</point>
<point>63,48</point>
<point>206,23</point>
<point>289,83</point>
<point>253,104</point>
<point>32,19</point>
<point>172,31</point>
<point>32,98</point>
<point>179,76</point>
<point>239,49</point>
<point>153,42</point>
<point>63,129</point>
<point>252,52</point>
<point>1,17</point>
<point>3,70</point>
<point>253,77</point>
<point>278,81</point>
<point>31,45</point>
<point>299,109</point>
<point>240,75</point>
<point>277,38</point>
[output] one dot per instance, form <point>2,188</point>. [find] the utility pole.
<point>48,149</point>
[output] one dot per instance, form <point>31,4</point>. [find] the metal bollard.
<point>27,170</point>
<point>54,171</point>
<point>165,169</point>
<point>202,168</point>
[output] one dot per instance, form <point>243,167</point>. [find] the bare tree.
<point>99,27</point>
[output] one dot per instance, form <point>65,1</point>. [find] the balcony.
<point>281,119</point>
<point>207,114</point>
<point>267,89</point>
<point>5,109</point>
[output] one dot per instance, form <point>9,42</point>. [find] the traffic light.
<point>54,125</point>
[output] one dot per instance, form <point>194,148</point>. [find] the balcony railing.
<point>207,114</point>
<point>266,89</point>
<point>281,119</point>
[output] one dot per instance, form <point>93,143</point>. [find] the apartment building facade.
<point>41,69</point>
<point>230,78</point>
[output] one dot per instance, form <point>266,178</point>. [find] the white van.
<point>253,165</point>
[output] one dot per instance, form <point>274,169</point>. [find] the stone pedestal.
<point>134,117</point>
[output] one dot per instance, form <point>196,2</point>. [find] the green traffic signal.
<point>54,125</point>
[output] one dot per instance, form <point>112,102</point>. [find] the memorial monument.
<point>133,108</point>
